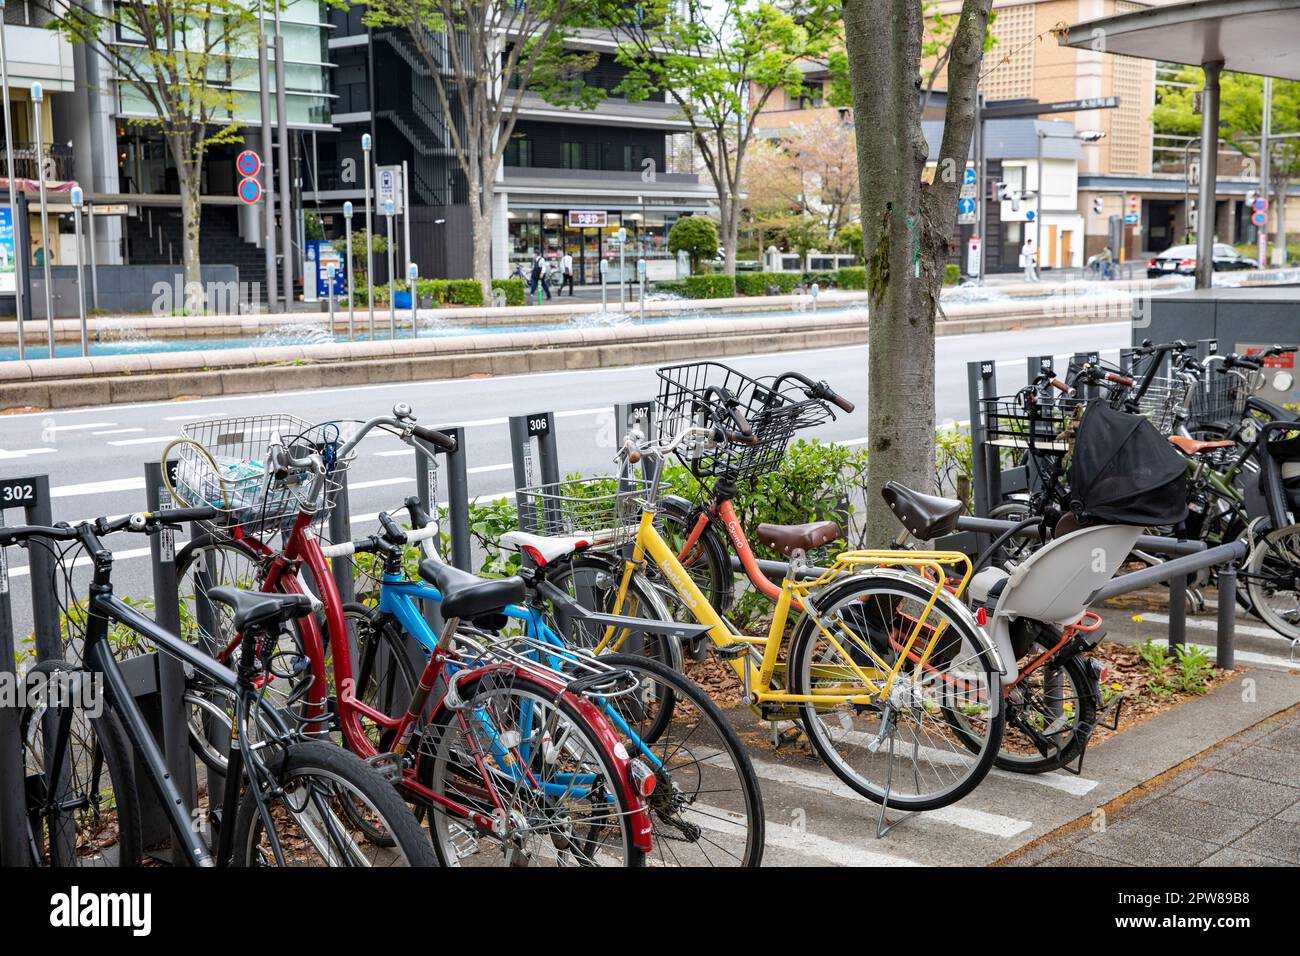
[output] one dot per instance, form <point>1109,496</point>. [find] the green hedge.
<point>710,287</point>
<point>824,280</point>
<point>513,288</point>
<point>951,273</point>
<point>756,283</point>
<point>670,286</point>
<point>852,277</point>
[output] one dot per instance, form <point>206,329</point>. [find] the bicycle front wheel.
<point>706,808</point>
<point>525,755</point>
<point>897,745</point>
<point>1273,580</point>
<point>323,796</point>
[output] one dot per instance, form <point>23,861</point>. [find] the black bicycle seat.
<point>924,516</point>
<point>468,596</point>
<point>259,608</point>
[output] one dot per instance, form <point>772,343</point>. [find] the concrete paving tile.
<point>1200,821</point>
<point>1079,858</point>
<point>1286,737</point>
<point>1291,814</point>
<point>1278,839</point>
<point>1135,842</point>
<point>1264,763</point>
<point>1229,790</point>
<point>1233,857</point>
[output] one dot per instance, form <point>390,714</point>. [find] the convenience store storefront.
<point>590,235</point>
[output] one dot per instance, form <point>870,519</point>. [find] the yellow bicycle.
<point>897,687</point>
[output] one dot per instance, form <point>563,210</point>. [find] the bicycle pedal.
<point>733,651</point>
<point>787,737</point>
<point>388,764</point>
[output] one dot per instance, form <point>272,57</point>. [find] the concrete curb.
<point>116,379</point>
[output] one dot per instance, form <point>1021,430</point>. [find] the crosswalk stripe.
<point>993,824</point>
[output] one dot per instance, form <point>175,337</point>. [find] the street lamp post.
<point>268,178</point>
<point>13,198</point>
<point>347,251</point>
<point>77,198</point>
<point>94,268</point>
<point>370,258</point>
<point>38,98</point>
<point>286,198</point>
<point>412,279</point>
<point>389,210</point>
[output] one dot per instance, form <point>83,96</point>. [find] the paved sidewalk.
<point>1235,804</point>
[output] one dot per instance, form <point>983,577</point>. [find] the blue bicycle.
<point>703,800</point>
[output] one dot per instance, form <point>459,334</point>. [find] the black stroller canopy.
<point>1123,471</point>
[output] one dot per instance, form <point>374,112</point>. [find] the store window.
<point>519,150</point>
<point>580,155</point>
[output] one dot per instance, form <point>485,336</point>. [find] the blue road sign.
<point>969,177</point>
<point>1029,215</point>
<point>1132,218</point>
<point>966,207</point>
<point>248,163</point>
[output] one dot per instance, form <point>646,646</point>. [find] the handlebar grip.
<point>633,453</point>
<point>839,401</point>
<point>1060,386</point>
<point>1117,379</point>
<point>181,515</point>
<point>434,437</point>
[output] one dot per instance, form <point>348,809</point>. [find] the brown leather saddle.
<point>789,538</point>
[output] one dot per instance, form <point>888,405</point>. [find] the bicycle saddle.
<point>259,608</point>
<point>789,538</point>
<point>466,595</point>
<point>924,516</point>
<point>1191,446</point>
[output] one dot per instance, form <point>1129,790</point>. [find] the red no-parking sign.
<point>248,163</point>
<point>250,191</point>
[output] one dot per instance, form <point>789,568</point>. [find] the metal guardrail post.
<point>982,383</point>
<point>171,674</point>
<point>32,494</point>
<point>1225,651</point>
<point>1177,610</point>
<point>426,482</point>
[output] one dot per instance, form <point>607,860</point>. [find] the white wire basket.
<point>1164,401</point>
<point>604,510</point>
<point>222,462</point>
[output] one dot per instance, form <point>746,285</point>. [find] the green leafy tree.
<point>849,238</point>
<point>696,236</point>
<point>505,51</point>
<point>806,234</point>
<point>184,59</point>
<point>1241,117</point>
<point>721,61</point>
<point>909,226</point>
<point>357,254</point>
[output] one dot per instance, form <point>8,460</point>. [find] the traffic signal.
<point>1098,205</point>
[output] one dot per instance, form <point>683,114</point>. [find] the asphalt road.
<point>95,456</point>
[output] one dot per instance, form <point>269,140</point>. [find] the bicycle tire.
<point>675,814</point>
<point>1277,547</point>
<point>854,592</point>
<point>436,770</point>
<point>109,745</point>
<point>408,845</point>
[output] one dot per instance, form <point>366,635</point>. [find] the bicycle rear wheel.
<point>322,793</point>
<point>520,752</point>
<point>1273,580</point>
<point>899,748</point>
<point>95,780</point>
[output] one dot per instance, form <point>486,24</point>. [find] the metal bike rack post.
<point>982,383</point>
<point>1225,652</point>
<point>340,528</point>
<point>634,414</point>
<point>523,430</point>
<point>171,674</point>
<point>1080,359</point>
<point>32,494</point>
<point>1205,348</point>
<point>426,480</point>
<point>1177,610</point>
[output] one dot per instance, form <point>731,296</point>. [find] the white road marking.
<point>118,431</point>
<point>484,469</point>
<point>83,560</point>
<point>993,824</point>
<point>808,844</point>
<point>85,426</point>
<point>1260,660</point>
<point>98,487</point>
<point>1201,624</point>
<point>151,440</point>
<point>378,483</point>
<point>25,452</point>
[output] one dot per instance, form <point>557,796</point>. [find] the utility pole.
<point>19,291</point>
<point>1266,130</point>
<point>268,178</point>
<point>286,213</point>
<point>980,188</point>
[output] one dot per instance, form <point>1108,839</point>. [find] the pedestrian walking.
<point>566,273</point>
<point>1029,259</point>
<point>539,275</point>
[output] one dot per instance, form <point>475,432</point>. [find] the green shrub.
<point>670,286</point>
<point>513,288</point>
<point>851,277</point>
<point>756,283</point>
<point>695,235</point>
<point>951,273</point>
<point>710,287</point>
<point>824,280</point>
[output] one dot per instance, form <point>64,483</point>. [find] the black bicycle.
<point>288,801</point>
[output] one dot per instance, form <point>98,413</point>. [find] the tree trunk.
<point>190,180</point>
<point>906,233</point>
<point>731,237</point>
<point>1283,186</point>
<point>481,227</point>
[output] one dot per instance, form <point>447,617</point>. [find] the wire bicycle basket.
<point>604,510</point>
<point>1166,400</point>
<point>222,463</point>
<point>775,414</point>
<point>1043,427</point>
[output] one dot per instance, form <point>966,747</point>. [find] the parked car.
<point>1181,260</point>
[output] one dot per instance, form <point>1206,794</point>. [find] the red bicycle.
<point>513,759</point>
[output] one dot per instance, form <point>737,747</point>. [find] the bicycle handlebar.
<point>819,390</point>
<point>376,542</point>
<point>141,522</point>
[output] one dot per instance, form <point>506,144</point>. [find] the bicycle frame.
<point>757,678</point>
